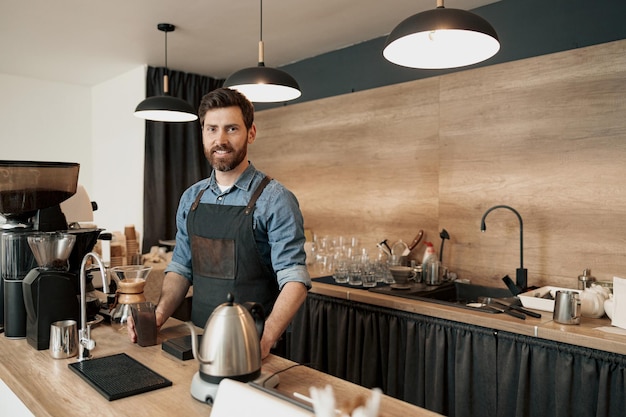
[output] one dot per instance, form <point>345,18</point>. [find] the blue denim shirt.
<point>277,221</point>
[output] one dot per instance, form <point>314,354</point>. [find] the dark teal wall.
<point>526,28</point>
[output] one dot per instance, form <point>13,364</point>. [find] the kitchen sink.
<point>456,294</point>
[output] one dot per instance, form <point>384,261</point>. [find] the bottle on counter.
<point>431,267</point>
<point>429,251</point>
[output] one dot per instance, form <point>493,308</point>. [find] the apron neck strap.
<point>256,194</point>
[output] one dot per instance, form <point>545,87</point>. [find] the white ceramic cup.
<point>402,274</point>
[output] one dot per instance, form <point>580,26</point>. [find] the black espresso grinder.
<point>50,289</point>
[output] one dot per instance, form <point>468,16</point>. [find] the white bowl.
<point>533,299</point>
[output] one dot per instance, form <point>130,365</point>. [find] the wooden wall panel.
<point>363,165</point>
<point>546,135</point>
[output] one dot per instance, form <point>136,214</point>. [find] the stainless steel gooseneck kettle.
<point>230,346</point>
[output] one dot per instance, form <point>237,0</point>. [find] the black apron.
<point>225,258</point>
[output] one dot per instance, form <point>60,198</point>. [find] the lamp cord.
<point>261,47</point>
<point>166,49</point>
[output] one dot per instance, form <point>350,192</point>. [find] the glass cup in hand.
<point>144,320</point>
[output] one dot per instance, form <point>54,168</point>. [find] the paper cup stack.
<point>117,254</point>
<point>133,256</point>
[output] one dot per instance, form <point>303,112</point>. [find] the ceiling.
<point>87,42</point>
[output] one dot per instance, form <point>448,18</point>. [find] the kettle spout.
<point>194,345</point>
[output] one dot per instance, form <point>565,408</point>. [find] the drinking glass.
<point>368,274</point>
<point>340,275</point>
<point>354,272</point>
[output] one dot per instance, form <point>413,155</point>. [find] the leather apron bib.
<point>225,258</point>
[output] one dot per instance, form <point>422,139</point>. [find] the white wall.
<point>48,121</point>
<point>118,151</point>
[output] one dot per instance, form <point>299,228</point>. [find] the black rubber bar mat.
<point>119,376</point>
<point>330,280</point>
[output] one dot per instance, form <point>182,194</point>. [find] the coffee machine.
<point>30,197</point>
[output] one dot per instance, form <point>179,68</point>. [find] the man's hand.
<point>266,345</point>
<point>287,304</point>
<point>173,292</point>
<point>130,328</point>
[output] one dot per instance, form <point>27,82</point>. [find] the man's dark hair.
<point>225,97</point>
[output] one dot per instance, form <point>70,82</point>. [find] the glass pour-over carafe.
<point>130,281</point>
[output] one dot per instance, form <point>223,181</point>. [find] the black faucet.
<point>521,274</point>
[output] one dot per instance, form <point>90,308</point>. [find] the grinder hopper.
<point>52,250</point>
<point>26,187</point>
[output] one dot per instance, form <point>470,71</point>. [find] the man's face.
<point>225,138</point>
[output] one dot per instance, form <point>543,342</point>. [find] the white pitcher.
<point>592,301</point>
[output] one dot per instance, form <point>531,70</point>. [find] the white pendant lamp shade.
<point>441,38</point>
<point>263,92</point>
<point>165,108</point>
<point>263,84</point>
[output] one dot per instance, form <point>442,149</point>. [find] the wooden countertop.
<point>50,389</point>
<point>586,334</point>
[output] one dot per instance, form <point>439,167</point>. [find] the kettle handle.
<point>258,314</point>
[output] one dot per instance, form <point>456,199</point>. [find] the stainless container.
<point>63,339</point>
<point>566,307</point>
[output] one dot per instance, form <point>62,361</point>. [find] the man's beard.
<point>228,163</point>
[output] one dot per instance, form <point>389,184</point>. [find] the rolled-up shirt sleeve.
<point>296,273</point>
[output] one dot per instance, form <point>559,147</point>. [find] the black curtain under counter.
<point>453,368</point>
<point>429,362</point>
<point>538,377</point>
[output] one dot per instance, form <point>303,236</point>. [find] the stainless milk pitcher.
<point>566,307</point>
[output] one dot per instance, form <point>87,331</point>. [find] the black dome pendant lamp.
<point>165,108</point>
<point>263,84</point>
<point>441,38</point>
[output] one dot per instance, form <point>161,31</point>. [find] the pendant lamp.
<point>441,38</point>
<point>165,108</point>
<point>263,84</point>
